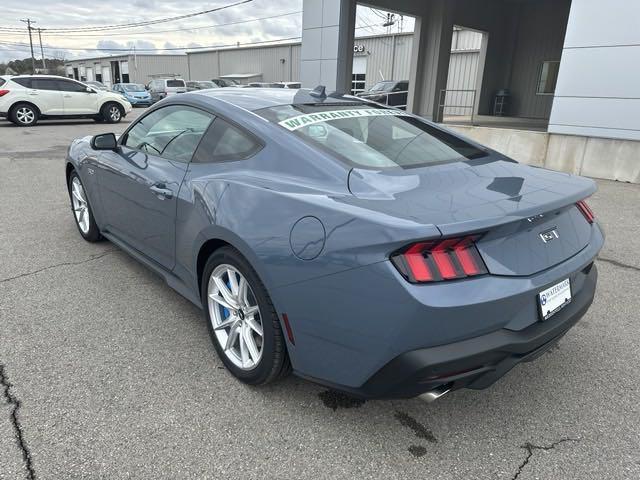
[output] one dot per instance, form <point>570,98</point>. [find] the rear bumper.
<point>477,362</point>
<point>381,337</point>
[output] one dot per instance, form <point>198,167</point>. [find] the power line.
<point>128,49</point>
<point>136,24</point>
<point>184,29</point>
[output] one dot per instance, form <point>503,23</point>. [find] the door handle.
<point>161,191</point>
<point>33,93</point>
<point>67,96</point>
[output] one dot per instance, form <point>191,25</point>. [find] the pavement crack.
<point>62,264</point>
<point>17,426</point>
<point>618,263</point>
<point>530,448</point>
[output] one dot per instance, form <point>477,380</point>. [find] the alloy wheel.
<point>235,316</point>
<point>25,115</point>
<point>80,205</point>
<point>114,113</point>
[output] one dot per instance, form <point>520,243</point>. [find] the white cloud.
<point>196,31</point>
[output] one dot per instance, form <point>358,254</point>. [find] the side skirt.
<point>173,281</point>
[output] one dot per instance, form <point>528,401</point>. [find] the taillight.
<point>3,92</point>
<point>586,210</point>
<point>439,260</point>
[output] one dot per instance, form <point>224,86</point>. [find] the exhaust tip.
<point>437,393</point>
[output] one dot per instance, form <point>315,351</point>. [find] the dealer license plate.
<point>554,299</point>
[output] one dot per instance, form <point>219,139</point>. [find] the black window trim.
<point>123,137</point>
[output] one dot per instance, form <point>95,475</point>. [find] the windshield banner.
<point>294,123</point>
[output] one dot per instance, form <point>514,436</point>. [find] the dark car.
<point>360,246</point>
<point>225,82</point>
<point>193,85</point>
<point>388,92</point>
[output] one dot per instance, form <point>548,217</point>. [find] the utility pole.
<point>33,59</point>
<point>44,63</point>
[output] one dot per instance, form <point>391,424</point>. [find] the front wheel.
<point>242,321</point>
<point>82,212</point>
<point>112,112</point>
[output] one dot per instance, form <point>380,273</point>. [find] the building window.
<point>358,81</point>
<point>548,77</point>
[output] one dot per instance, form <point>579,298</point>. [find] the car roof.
<point>257,98</point>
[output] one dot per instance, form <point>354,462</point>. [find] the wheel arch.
<point>216,237</point>
<point>19,102</point>
<point>68,169</point>
<point>111,100</point>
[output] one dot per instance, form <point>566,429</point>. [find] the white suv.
<point>24,99</point>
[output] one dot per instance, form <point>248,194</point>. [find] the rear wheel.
<point>82,212</point>
<point>24,115</point>
<point>112,112</point>
<point>242,321</point>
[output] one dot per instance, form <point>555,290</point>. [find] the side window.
<point>225,142</point>
<point>171,132</point>
<point>68,86</point>
<point>25,82</point>
<point>44,84</point>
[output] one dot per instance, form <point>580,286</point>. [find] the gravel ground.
<point>108,373</point>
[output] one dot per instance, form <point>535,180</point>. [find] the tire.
<point>24,115</point>
<point>273,360</point>
<point>111,112</point>
<point>82,213</point>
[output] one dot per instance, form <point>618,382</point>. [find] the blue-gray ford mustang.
<point>360,246</point>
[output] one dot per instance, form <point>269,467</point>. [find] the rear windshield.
<point>175,83</point>
<point>371,137</point>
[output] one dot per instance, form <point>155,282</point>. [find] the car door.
<point>77,99</point>
<point>44,93</point>
<point>139,184</point>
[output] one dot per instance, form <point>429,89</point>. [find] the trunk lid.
<point>526,215</point>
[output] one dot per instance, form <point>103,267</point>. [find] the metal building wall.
<point>384,60</point>
<point>143,67</point>
<point>463,72</point>
<point>203,65</point>
<point>276,63</point>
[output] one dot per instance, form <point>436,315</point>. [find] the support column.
<point>327,44</point>
<point>430,58</point>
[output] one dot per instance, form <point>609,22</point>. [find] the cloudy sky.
<point>249,24</point>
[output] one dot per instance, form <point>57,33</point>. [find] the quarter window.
<point>171,132</point>
<point>225,142</point>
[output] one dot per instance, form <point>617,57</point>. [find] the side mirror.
<point>90,90</point>
<point>104,141</point>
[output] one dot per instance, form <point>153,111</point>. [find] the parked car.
<point>389,92</point>
<point>225,82</point>
<point>200,85</point>
<point>361,246</point>
<point>135,93</point>
<point>291,84</point>
<point>25,99</point>
<point>265,85</point>
<point>96,85</point>
<point>165,87</point>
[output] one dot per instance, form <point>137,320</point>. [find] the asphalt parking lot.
<point>108,373</point>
